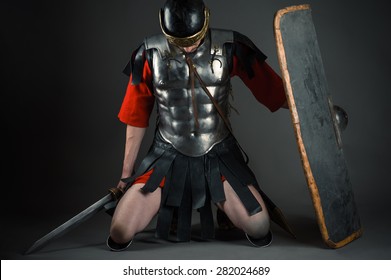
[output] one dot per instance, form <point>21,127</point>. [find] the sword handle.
<point>116,193</point>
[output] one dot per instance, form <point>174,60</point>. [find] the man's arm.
<point>134,137</point>
<point>248,63</point>
<point>266,85</point>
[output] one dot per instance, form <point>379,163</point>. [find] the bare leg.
<point>134,212</point>
<point>257,225</point>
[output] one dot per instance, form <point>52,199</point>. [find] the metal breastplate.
<point>172,87</point>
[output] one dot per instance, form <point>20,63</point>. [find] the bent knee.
<point>257,226</point>
<point>121,233</point>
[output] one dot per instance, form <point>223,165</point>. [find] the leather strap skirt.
<point>193,183</point>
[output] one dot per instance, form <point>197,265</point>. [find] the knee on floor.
<point>121,234</point>
<point>257,228</point>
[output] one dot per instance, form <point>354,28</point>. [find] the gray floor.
<point>87,242</point>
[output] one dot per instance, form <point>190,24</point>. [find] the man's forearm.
<point>134,137</point>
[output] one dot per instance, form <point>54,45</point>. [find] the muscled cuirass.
<point>187,117</point>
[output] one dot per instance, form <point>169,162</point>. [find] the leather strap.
<point>217,106</point>
<point>192,70</point>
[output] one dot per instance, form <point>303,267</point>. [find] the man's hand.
<point>121,185</point>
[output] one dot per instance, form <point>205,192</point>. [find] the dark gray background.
<point>62,88</point>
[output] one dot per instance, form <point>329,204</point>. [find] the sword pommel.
<point>116,193</point>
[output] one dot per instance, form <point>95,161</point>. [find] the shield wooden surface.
<point>317,133</point>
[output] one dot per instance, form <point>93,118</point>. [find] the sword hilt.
<point>116,193</point>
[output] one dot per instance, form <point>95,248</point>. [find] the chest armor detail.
<point>173,91</point>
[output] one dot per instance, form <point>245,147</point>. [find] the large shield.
<point>317,133</point>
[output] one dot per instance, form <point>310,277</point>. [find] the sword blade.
<point>70,224</point>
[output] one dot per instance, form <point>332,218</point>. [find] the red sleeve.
<point>266,85</point>
<point>138,102</point>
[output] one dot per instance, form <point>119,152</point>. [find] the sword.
<point>114,195</point>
